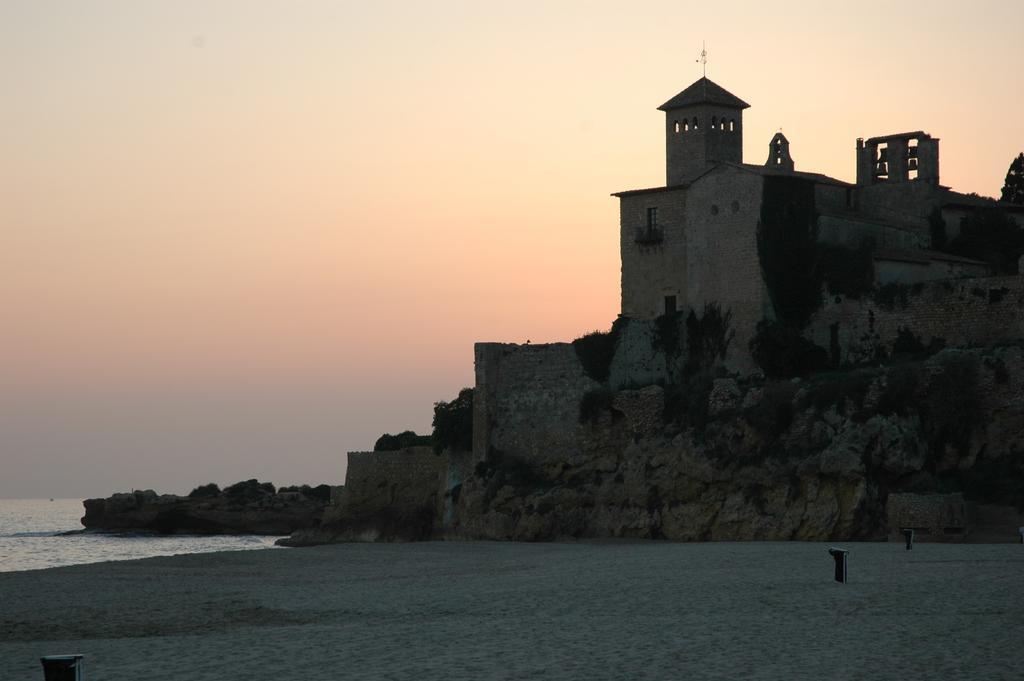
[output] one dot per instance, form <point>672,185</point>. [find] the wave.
<point>32,534</point>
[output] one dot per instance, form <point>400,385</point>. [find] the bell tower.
<point>703,126</point>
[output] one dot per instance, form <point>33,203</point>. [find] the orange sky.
<point>242,238</point>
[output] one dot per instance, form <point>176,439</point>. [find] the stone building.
<point>694,240</point>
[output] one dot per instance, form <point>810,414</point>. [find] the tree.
<point>1013,188</point>
<point>453,423</point>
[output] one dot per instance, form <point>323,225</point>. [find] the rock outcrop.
<point>246,508</point>
<point>812,459</point>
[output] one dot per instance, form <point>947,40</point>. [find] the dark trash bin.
<point>908,535</point>
<point>63,667</point>
<point>839,556</point>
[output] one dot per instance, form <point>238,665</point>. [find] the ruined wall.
<point>527,401</point>
<point>933,517</point>
<point>962,313</point>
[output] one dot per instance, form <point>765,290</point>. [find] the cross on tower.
<point>704,58</point>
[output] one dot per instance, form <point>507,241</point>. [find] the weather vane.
<point>704,57</point>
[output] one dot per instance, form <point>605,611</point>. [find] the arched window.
<point>696,123</point>
<point>732,124</point>
<point>714,122</point>
<point>677,126</point>
<point>686,125</point>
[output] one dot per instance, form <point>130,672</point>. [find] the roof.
<point>768,170</point>
<point>704,91</point>
<point>748,167</point>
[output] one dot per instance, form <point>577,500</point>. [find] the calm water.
<point>31,529</point>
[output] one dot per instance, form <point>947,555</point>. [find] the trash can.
<point>63,667</point>
<point>839,556</point>
<point>908,535</point>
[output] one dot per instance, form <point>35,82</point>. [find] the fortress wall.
<point>414,474</point>
<point>962,312</point>
<point>527,401</point>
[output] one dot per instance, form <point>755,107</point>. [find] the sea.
<point>34,536</point>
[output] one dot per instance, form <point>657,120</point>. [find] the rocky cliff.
<point>723,460</point>
<point>245,508</point>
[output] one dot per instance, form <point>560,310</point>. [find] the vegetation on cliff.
<point>405,439</point>
<point>453,423</point>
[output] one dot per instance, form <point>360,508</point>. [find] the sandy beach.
<point>447,610</point>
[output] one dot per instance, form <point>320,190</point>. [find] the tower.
<point>778,154</point>
<point>703,125</point>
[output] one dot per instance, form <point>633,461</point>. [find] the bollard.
<point>839,556</point>
<point>908,534</point>
<point>63,667</point>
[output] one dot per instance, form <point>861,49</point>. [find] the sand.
<point>447,610</point>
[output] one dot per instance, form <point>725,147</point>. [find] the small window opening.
<point>670,304</point>
<point>778,161</point>
<point>732,124</point>
<point>696,123</point>
<point>714,122</point>
<point>686,125</point>
<point>912,159</point>
<point>882,162</point>
<point>677,126</point>
<point>652,217</point>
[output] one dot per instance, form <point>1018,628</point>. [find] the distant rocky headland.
<point>248,507</point>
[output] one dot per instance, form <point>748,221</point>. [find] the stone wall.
<point>933,517</point>
<point>527,401</point>
<point>960,313</point>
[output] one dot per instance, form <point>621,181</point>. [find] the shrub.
<point>453,423</point>
<point>899,395</point>
<point>667,336</point>
<point>834,389</point>
<point>250,489</point>
<point>773,415</point>
<point>951,410</point>
<point>407,438</point>
<point>990,234</point>
<point>708,337</point>
<point>782,352</point>
<point>208,490</point>
<point>596,350</point>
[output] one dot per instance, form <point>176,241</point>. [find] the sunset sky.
<point>242,237</point>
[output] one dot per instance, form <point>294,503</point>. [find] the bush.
<point>833,390</point>
<point>990,234</point>
<point>250,489</point>
<point>453,423</point>
<point>951,410</point>
<point>708,337</point>
<point>900,393</point>
<point>321,492</point>
<point>782,352</point>
<point>596,350</point>
<point>773,415</point>
<point>407,438</point>
<point>203,491</point>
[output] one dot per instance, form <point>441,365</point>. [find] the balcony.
<point>649,236</point>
